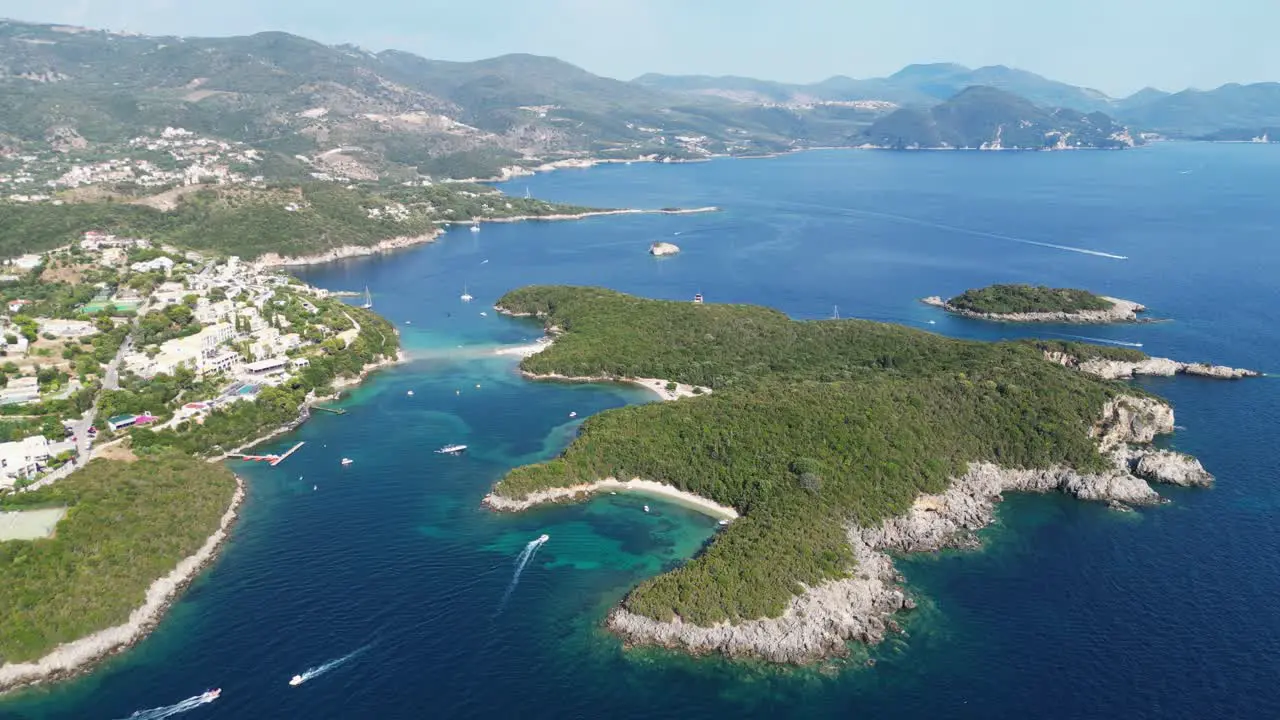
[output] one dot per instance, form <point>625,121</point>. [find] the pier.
<point>335,411</point>
<point>273,460</point>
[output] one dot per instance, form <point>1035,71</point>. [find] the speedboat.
<point>410,393</point>
<point>296,680</point>
<point>451,449</point>
<point>573,414</point>
<point>347,461</point>
<point>544,537</point>
<point>211,695</point>
<point>646,508</point>
<point>475,228</point>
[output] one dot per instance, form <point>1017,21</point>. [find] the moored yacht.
<point>452,449</point>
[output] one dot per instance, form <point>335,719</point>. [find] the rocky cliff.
<point>1159,367</point>
<point>820,621</point>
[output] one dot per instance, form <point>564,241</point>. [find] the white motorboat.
<point>410,393</point>
<point>646,508</point>
<point>347,461</point>
<point>211,695</point>
<point>573,414</point>
<point>544,537</point>
<point>475,227</point>
<point>451,450</point>
<point>724,522</point>
<point>296,680</point>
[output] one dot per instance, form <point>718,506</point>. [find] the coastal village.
<point>214,331</point>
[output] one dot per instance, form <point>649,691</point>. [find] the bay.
<point>1070,611</point>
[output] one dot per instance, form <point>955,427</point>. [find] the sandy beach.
<point>636,485</point>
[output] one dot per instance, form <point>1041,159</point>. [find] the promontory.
<point>1038,303</point>
<point>834,442</point>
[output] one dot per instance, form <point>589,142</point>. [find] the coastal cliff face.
<point>1121,311</point>
<point>1157,367</point>
<point>820,621</point>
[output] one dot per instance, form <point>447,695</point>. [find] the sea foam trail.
<point>1098,340</point>
<point>319,670</point>
<point>525,556</point>
<point>190,703</point>
<point>967,231</point>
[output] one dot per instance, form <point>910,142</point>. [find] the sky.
<point>1117,46</point>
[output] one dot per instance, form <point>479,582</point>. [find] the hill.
<point>988,118</point>
<point>912,85</point>
<point>1195,113</point>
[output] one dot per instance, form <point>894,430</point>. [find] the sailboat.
<point>527,196</point>
<point>466,296</point>
<point>835,315</point>
<point>368,299</point>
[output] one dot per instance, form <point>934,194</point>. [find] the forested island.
<point>836,440</point>
<point>1038,303</point>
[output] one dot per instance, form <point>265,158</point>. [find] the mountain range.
<point>393,114</point>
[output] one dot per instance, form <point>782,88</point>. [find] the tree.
<point>51,427</point>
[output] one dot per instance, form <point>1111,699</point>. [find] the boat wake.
<point>969,231</point>
<point>190,703</point>
<point>319,670</point>
<point>525,556</point>
<point>1099,340</point>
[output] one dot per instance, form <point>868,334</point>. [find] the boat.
<point>646,508</point>
<point>697,299</point>
<point>573,414</point>
<point>368,299</point>
<point>544,537</point>
<point>211,695</point>
<point>723,523</point>
<point>466,296</point>
<point>347,461</point>
<point>296,680</point>
<point>315,487</point>
<point>484,314</point>
<point>451,450</point>
<point>410,393</point>
<point>475,227</point>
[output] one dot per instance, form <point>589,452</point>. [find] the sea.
<point>389,581</point>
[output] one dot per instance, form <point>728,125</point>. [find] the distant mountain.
<point>394,113</point>
<point>1145,96</point>
<point>990,118</point>
<point>1197,113</point>
<point>913,85</point>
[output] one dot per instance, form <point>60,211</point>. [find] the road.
<point>110,381</point>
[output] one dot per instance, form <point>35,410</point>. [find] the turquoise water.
<point>1070,611</point>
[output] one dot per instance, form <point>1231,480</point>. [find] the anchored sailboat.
<point>368,299</point>
<point>466,296</point>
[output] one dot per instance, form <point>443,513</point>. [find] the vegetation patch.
<point>1010,299</point>
<point>812,425</point>
<point>127,525</point>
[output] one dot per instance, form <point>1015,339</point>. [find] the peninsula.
<point>835,442</point>
<point>1038,303</point>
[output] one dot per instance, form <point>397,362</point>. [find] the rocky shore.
<point>1121,311</point>
<point>1158,367</point>
<point>587,214</point>
<point>271,260</point>
<point>820,621</point>
<point>75,657</point>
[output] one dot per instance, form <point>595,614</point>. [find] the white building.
<point>23,458</point>
<point>220,362</point>
<point>160,263</point>
<point>20,390</point>
<point>266,368</point>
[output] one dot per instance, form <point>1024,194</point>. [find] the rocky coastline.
<point>77,656</point>
<point>582,215</point>
<point>822,620</point>
<point>271,260</point>
<point>1155,367</point>
<point>1121,311</point>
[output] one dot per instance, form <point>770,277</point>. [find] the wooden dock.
<point>273,460</point>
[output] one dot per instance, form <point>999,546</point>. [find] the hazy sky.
<point>1117,46</point>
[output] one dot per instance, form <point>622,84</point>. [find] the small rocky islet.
<point>1020,303</point>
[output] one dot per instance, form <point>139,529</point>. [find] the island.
<point>1038,303</point>
<point>824,446</point>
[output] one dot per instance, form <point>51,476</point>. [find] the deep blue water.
<point>1070,611</point>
